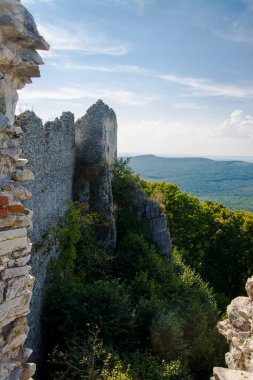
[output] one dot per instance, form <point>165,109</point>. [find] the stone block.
<point>17,286</point>
<point>23,175</point>
<point>16,209</point>
<point>28,371</point>
<point>8,246</point>
<point>15,221</point>
<point>22,194</point>
<point>4,200</point>
<point>15,272</point>
<point>13,234</point>
<point>14,308</point>
<point>4,213</point>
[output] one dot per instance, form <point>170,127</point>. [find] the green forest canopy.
<point>131,314</point>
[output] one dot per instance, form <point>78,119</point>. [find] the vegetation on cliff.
<point>129,314</point>
<point>216,242</point>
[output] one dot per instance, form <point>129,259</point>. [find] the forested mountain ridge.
<point>226,182</point>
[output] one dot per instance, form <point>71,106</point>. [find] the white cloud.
<point>187,106</point>
<point>237,125</point>
<point>74,93</point>
<point>131,69</point>
<point>205,87</point>
<point>79,39</point>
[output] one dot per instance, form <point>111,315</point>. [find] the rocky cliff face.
<point>150,213</point>
<point>19,62</point>
<point>96,148</point>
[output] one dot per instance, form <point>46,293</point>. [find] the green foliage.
<point>144,366</point>
<point>87,359</point>
<point>217,242</point>
<point>156,320</point>
<point>226,182</point>
<point>123,178</point>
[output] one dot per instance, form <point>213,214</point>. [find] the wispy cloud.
<point>131,69</point>
<point>187,106</point>
<point>240,28</point>
<point>79,39</point>
<point>205,87</point>
<point>74,93</point>
<point>238,32</point>
<point>238,125</point>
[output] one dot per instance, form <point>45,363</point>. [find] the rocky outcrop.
<point>150,213</point>
<point>19,62</point>
<point>238,330</point>
<point>230,374</point>
<point>96,148</point>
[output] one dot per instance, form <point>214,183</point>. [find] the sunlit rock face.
<point>96,149</point>
<point>238,330</point>
<point>230,374</point>
<point>19,62</point>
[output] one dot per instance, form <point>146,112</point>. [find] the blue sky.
<point>178,73</point>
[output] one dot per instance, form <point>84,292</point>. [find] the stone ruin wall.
<point>53,151</point>
<point>19,62</point>
<point>46,158</point>
<point>50,150</point>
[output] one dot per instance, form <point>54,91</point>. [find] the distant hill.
<point>227,182</point>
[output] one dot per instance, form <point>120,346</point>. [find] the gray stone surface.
<point>19,39</point>
<point>50,150</point>
<point>96,148</point>
<point>238,330</point>
<point>43,253</point>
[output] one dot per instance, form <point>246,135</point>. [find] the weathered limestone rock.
<point>96,148</point>
<point>19,62</point>
<point>238,329</point>
<point>148,211</point>
<point>230,374</point>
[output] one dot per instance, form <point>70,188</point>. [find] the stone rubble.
<point>238,330</point>
<point>19,62</point>
<point>230,374</point>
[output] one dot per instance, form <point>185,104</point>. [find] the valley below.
<point>227,182</point>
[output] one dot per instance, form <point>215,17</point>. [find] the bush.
<point>152,315</point>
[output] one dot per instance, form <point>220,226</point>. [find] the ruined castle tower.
<point>96,149</point>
